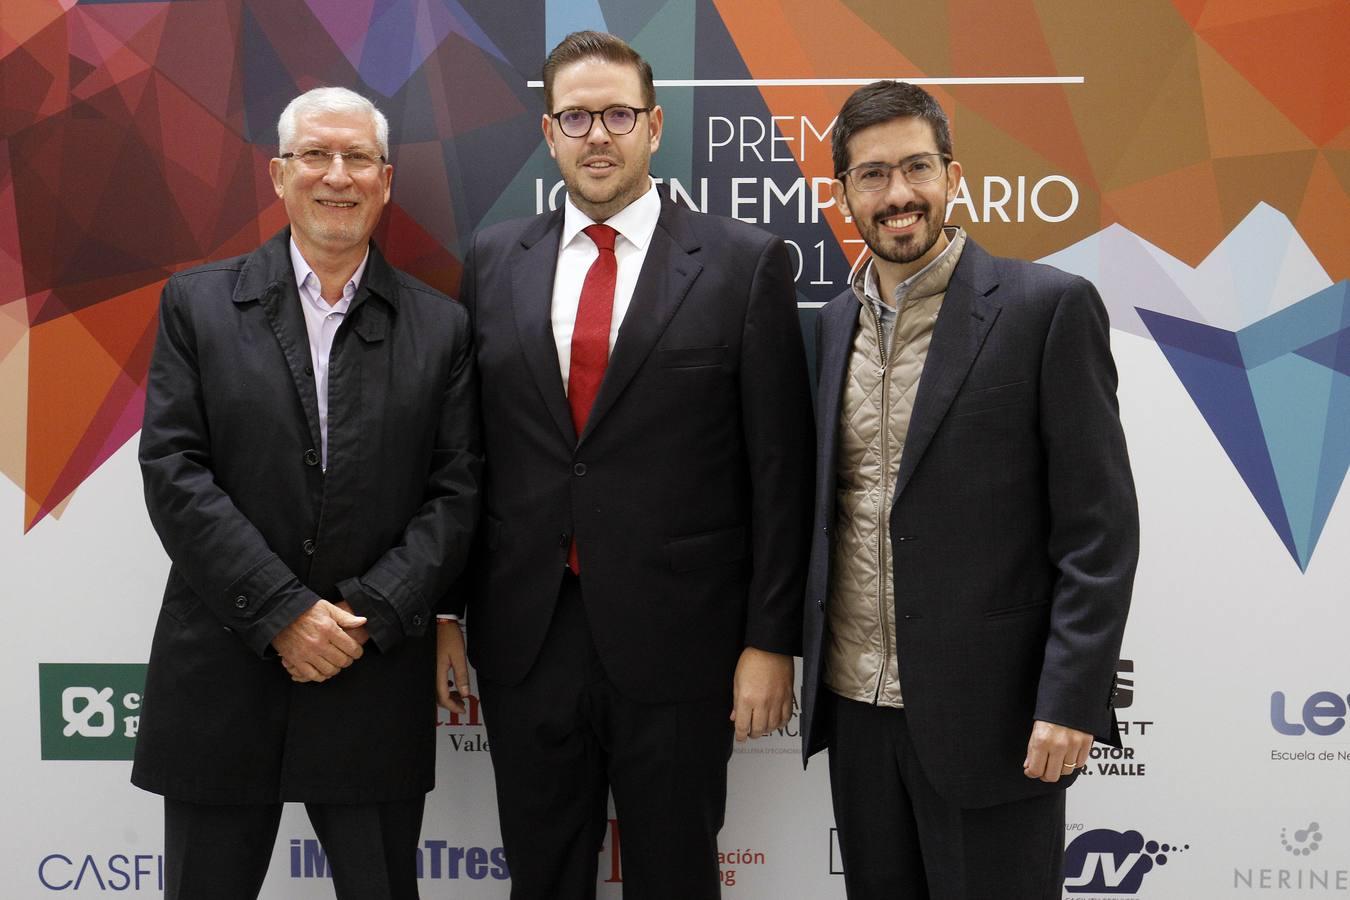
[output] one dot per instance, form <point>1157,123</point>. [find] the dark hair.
<point>580,45</point>
<point>884,101</point>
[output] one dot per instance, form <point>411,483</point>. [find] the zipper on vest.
<point>885,353</point>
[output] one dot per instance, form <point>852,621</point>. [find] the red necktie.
<point>590,338</point>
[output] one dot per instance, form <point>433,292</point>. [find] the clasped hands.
<point>321,642</point>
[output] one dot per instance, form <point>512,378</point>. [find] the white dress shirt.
<point>321,321</point>
<point>635,224</point>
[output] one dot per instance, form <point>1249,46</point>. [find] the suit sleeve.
<point>780,446</point>
<point>212,545</point>
<point>1094,521</point>
<point>409,580</point>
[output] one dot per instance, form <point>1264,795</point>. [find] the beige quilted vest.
<point>860,660</point>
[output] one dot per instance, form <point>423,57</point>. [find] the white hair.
<point>330,100</point>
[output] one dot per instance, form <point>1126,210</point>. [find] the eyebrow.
<point>912,156</point>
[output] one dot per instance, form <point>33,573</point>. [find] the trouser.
<point>221,852</point>
<point>564,738</point>
<point>900,839</point>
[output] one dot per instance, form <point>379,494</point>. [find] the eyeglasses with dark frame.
<point>576,122</point>
<point>920,168</point>
<point>317,159</point>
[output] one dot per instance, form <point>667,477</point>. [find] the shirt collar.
<point>635,222</point>
<point>308,283</point>
<point>869,285</point>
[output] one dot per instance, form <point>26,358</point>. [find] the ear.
<point>388,176</point>
<point>547,125</point>
<point>840,197</point>
<point>655,119</point>
<point>274,168</point>
<point>953,179</point>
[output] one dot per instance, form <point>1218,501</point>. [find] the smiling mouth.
<point>337,204</point>
<point>600,164</point>
<point>901,221</point>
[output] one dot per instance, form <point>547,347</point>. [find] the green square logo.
<point>90,710</point>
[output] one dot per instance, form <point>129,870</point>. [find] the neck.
<point>333,268</point>
<point>890,275</point>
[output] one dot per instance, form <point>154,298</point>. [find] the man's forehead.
<point>893,140</point>
<point>594,75</point>
<point>348,124</point>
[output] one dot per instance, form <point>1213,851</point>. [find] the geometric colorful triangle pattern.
<point>1276,394</point>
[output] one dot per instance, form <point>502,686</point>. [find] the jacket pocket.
<point>969,402</point>
<point>1021,609</point>
<point>713,548</point>
<point>691,357</point>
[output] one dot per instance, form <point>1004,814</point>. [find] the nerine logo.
<point>89,710</point>
<point>1112,862</point>
<point>1304,841</point>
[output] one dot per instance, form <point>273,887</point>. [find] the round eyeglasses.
<point>318,160</point>
<point>619,120</point>
<point>919,169</point>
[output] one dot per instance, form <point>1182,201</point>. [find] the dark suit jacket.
<point>688,492</point>
<point>256,530</point>
<point>1014,531</point>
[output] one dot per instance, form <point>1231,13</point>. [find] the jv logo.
<point>89,711</point>
<point>1112,862</point>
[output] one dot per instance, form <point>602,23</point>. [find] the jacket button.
<point>417,620</point>
<point>308,547</point>
<point>241,602</point>
<point>309,370</point>
<point>565,540</point>
<point>311,457</point>
<point>820,604</point>
<point>579,469</point>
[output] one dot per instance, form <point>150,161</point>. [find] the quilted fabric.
<point>861,662</point>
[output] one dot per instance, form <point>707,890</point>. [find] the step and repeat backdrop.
<point>1192,158</point>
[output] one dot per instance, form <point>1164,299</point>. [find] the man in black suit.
<point>311,462</point>
<point>976,533</point>
<point>647,430</point>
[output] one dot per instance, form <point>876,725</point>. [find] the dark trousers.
<point>564,738</point>
<point>900,839</point>
<point>221,852</point>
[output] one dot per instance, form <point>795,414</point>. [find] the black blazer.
<point>688,492</point>
<point>1014,529</point>
<point>256,530</point>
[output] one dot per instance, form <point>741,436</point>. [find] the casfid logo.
<point>436,861</point>
<point>117,872</point>
<point>1104,861</point>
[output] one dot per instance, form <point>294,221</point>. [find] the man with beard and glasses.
<point>647,429</point>
<point>975,533</point>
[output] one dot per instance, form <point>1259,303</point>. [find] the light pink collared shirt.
<point>322,320</point>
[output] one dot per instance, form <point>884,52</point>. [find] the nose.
<point>899,191</point>
<point>336,173</point>
<point>598,134</point>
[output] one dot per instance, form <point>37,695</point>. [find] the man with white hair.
<point>311,461</point>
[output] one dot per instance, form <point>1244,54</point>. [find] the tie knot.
<point>602,235</point>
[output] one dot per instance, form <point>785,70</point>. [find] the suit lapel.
<point>268,278</point>
<point>838,325</point>
<point>532,304</point>
<point>968,312</point>
<point>667,273</point>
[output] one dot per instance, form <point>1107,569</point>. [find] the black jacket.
<point>256,530</point>
<point>1014,528</point>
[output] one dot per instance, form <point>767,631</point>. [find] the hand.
<point>317,645</point>
<point>1055,751</point>
<point>761,693</point>
<point>358,633</point>
<point>450,658</point>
